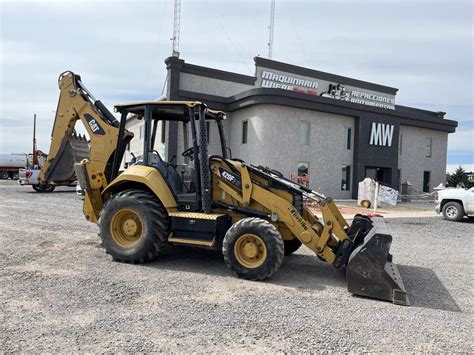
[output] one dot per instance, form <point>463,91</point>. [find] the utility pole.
<point>35,156</point>
<point>270,29</point>
<point>176,27</point>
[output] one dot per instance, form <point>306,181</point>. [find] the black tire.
<point>154,226</point>
<point>4,175</point>
<point>267,235</point>
<point>45,188</point>
<point>453,211</point>
<point>14,176</point>
<point>291,246</point>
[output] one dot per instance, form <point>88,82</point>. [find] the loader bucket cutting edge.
<point>370,271</point>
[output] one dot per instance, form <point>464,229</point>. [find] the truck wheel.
<point>453,211</point>
<point>4,175</point>
<point>45,188</point>
<point>14,176</point>
<point>291,246</point>
<point>134,226</point>
<point>253,249</point>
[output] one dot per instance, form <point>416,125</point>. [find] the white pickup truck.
<point>30,177</point>
<point>455,203</point>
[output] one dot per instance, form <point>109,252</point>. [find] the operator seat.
<point>168,172</point>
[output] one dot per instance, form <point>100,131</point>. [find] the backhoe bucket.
<point>73,149</point>
<point>370,271</point>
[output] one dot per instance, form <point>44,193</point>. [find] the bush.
<point>459,176</point>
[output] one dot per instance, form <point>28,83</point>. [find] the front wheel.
<point>253,249</point>
<point>453,211</point>
<point>134,226</point>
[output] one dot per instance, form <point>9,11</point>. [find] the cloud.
<point>422,47</point>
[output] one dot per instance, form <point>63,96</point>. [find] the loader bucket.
<point>370,271</point>
<point>73,149</point>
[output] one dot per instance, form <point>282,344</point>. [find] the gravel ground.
<point>60,292</point>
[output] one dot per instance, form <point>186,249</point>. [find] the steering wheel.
<point>188,153</point>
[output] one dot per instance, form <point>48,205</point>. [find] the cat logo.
<point>94,125</point>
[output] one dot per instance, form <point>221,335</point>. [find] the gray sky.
<point>424,48</point>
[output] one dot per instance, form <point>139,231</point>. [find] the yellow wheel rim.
<point>126,227</point>
<point>250,251</point>
<point>365,203</point>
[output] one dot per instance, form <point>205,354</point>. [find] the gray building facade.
<point>329,130</point>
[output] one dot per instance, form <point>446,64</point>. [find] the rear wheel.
<point>4,175</point>
<point>453,211</point>
<point>291,246</point>
<point>134,226</point>
<point>44,188</point>
<point>253,249</point>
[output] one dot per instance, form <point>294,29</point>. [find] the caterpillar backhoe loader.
<point>253,214</point>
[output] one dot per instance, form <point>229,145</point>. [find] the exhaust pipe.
<point>370,271</point>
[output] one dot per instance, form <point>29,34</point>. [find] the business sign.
<point>286,82</point>
<point>381,134</point>
<point>279,80</point>
<point>339,92</point>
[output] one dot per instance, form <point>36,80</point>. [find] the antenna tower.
<point>270,29</point>
<point>176,27</point>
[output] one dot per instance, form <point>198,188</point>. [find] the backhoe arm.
<point>76,103</point>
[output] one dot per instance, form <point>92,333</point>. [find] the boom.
<point>77,103</point>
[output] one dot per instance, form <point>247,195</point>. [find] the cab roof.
<point>166,109</point>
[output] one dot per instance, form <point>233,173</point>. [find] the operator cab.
<point>181,172</point>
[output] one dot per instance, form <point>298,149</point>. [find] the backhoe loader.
<point>253,214</point>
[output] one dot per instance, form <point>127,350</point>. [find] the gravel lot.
<point>60,292</point>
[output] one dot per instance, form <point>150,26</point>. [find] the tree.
<point>457,177</point>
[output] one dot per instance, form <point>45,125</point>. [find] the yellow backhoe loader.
<point>253,214</point>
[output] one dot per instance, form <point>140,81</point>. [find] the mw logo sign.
<point>381,134</point>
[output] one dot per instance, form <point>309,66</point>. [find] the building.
<point>330,129</point>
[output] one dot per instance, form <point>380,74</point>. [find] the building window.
<point>428,147</point>
<point>208,128</point>
<point>305,127</point>
<point>245,127</point>
<point>348,138</point>
<point>346,178</point>
<point>163,131</point>
<point>141,132</point>
<point>426,181</point>
<point>400,143</point>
